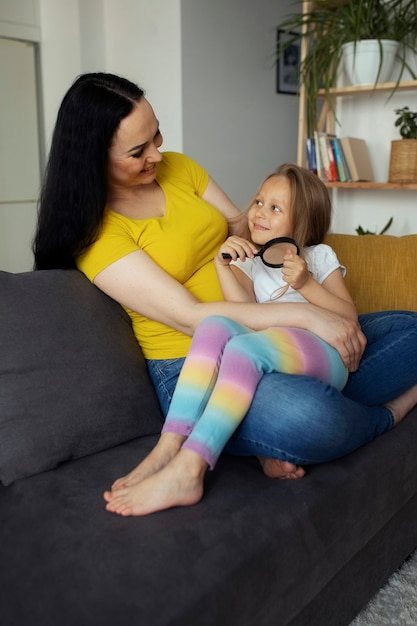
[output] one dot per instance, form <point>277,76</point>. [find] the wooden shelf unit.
<point>326,120</point>
<point>338,185</point>
<point>326,123</point>
<point>357,90</point>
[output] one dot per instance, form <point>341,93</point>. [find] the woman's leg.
<point>301,420</point>
<point>389,364</point>
<point>246,358</point>
<point>304,421</point>
<point>312,423</point>
<point>164,375</point>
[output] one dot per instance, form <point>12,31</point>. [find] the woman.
<point>145,227</point>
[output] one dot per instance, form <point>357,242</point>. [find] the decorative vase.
<point>362,60</point>
<point>403,161</point>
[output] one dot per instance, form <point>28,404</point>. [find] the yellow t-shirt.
<point>183,243</point>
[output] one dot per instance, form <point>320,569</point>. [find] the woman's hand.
<point>237,248</point>
<point>343,334</point>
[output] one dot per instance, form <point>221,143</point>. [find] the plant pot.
<point>362,61</point>
<point>409,71</point>
<point>403,161</point>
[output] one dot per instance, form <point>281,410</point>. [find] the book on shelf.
<point>324,171</point>
<point>342,167</point>
<point>336,159</point>
<point>358,160</point>
<point>321,159</point>
<point>334,172</point>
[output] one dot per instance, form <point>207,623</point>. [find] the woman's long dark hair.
<point>74,190</point>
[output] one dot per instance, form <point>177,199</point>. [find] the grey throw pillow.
<point>73,380</point>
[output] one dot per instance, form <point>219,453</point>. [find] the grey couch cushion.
<point>73,379</point>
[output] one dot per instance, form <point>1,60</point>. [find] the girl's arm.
<point>236,286</point>
<point>332,294</point>
<point>138,283</point>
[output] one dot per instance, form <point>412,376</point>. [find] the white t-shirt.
<point>267,281</point>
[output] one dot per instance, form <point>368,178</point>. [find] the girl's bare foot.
<point>403,404</point>
<point>167,447</point>
<point>275,468</point>
<point>180,483</point>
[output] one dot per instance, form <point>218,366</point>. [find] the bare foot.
<point>167,447</point>
<point>180,483</point>
<point>403,404</point>
<point>275,468</point>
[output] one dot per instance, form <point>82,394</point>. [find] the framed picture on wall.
<point>288,66</point>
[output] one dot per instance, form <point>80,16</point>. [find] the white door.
<point>19,154</point>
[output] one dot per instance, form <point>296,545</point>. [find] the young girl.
<point>226,360</point>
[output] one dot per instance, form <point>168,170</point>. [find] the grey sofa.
<point>77,410</point>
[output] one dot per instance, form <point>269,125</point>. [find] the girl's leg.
<point>245,360</point>
<point>301,420</point>
<point>183,406</point>
<point>171,477</point>
<point>297,351</point>
<point>199,373</point>
<point>314,423</point>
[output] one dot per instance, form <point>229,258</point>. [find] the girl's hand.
<point>295,271</point>
<point>237,248</point>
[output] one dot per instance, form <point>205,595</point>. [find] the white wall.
<point>207,69</point>
<point>19,141</point>
<point>60,55</point>
<point>19,153</point>
<point>20,19</point>
<point>143,43</point>
<point>235,124</point>
<point>134,38</point>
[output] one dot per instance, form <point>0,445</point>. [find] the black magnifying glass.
<point>272,253</point>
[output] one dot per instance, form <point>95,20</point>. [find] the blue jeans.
<point>302,420</point>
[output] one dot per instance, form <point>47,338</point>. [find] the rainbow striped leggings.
<point>222,370</point>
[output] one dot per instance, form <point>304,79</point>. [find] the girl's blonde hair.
<point>311,209</point>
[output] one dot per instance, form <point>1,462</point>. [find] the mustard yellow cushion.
<point>381,270</point>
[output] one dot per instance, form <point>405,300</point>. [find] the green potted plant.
<point>407,122</point>
<point>403,157</point>
<point>325,26</point>
<point>362,231</point>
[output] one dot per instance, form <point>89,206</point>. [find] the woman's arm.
<point>236,220</point>
<point>139,284</point>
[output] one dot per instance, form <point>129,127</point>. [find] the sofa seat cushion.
<point>252,551</point>
<point>73,380</point>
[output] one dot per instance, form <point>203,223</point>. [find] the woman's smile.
<point>150,169</point>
